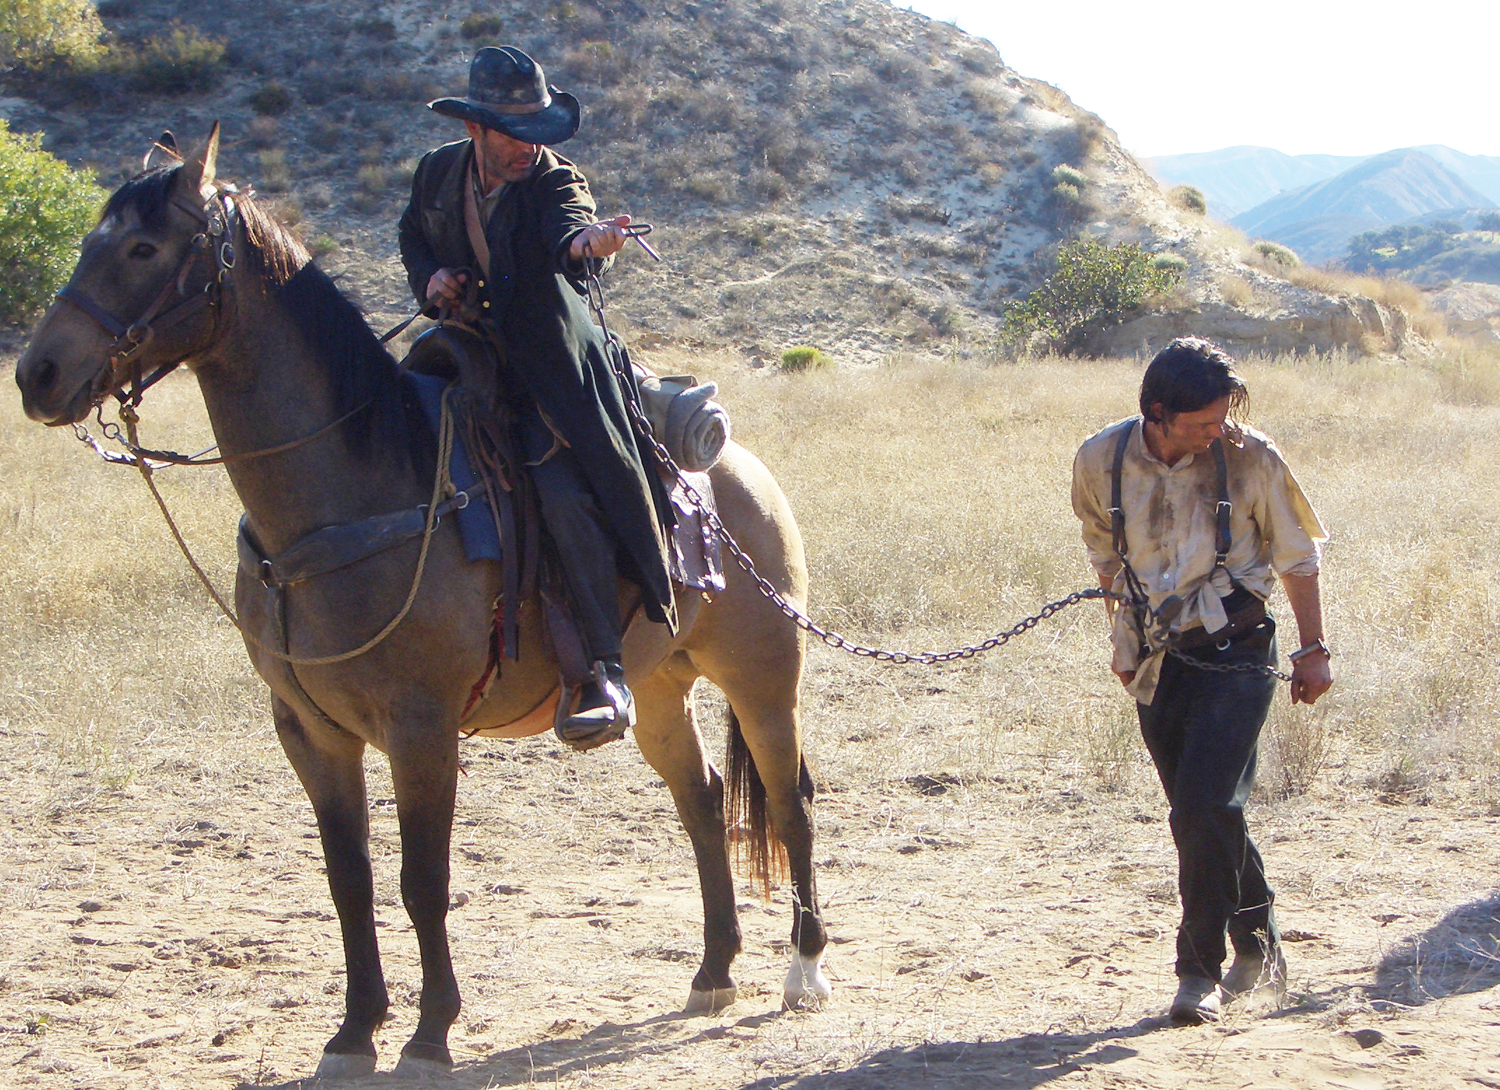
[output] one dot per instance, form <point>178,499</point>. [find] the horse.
<point>316,431</point>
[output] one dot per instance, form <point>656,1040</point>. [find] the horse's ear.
<point>160,152</point>
<point>202,166</point>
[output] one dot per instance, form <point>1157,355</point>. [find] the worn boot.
<point>1197,1001</point>
<point>1263,967</point>
<point>605,709</point>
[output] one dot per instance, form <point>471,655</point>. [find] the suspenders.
<point>1221,513</point>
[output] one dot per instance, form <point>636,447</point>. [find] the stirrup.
<point>605,721</point>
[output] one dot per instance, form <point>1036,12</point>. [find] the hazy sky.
<point>1335,76</point>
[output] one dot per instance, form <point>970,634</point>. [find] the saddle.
<point>461,354</point>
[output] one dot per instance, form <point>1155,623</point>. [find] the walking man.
<point>1188,515</point>
<point>506,209</point>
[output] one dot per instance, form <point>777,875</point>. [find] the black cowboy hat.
<point>508,92</point>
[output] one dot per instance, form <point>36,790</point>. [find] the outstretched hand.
<point>600,239</point>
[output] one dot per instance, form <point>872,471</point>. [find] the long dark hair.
<point>1190,374</point>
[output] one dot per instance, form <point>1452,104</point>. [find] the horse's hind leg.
<point>331,769</point>
<point>669,740</point>
<point>766,761</point>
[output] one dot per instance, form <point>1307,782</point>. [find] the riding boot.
<point>605,709</point>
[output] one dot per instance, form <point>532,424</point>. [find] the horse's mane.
<point>359,366</point>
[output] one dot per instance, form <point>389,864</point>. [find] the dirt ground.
<point>1010,930</point>
<point>994,861</point>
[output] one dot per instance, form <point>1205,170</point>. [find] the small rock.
<point>90,906</point>
<point>458,900</point>
<point>1367,1038</point>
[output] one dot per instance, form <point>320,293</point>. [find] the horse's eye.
<point>143,250</point>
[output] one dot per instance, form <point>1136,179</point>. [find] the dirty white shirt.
<point>1170,532</point>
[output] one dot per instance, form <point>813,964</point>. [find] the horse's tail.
<point>755,832</point>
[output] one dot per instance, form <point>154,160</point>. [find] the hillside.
<point>835,172</point>
<point>1318,220</point>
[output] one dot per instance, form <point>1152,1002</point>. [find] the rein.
<point>122,369</point>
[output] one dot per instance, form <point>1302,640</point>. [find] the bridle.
<point>122,375</point>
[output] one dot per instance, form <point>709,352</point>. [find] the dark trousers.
<point>581,532</point>
<point>1202,730</point>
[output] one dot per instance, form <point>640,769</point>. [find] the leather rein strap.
<point>218,216</point>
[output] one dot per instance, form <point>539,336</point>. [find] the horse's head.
<point>141,297</point>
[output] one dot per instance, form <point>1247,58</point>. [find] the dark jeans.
<point>1202,730</point>
<point>581,532</point>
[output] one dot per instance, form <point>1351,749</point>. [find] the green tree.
<point>45,209</point>
<point>34,32</point>
<point>1092,287</point>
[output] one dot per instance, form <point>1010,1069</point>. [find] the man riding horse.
<point>506,206</point>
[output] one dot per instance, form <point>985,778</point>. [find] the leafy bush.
<point>45,209</point>
<point>1067,193</point>
<point>1172,264</point>
<point>1092,288</point>
<point>272,100</point>
<point>480,25</point>
<point>1189,198</point>
<point>181,60</point>
<point>804,358</point>
<point>1490,221</point>
<point>1276,254</point>
<point>36,32</point>
<point>1063,174</point>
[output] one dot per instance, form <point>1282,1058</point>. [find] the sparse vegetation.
<point>479,25</point>
<point>180,60</point>
<point>37,32</point>
<point>45,209</point>
<point>271,100</point>
<point>804,358</point>
<point>1189,198</point>
<point>1276,254</point>
<point>1091,288</point>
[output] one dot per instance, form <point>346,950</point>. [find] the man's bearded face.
<point>503,158</point>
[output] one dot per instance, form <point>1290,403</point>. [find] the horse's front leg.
<point>424,770</point>
<point>331,769</point>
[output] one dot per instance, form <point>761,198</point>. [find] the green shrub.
<point>1490,221</point>
<point>36,32</point>
<point>1172,264</point>
<point>1092,288</point>
<point>1189,198</point>
<point>480,25</point>
<point>1277,254</point>
<point>272,100</point>
<point>180,60</point>
<point>804,358</point>
<point>1063,174</point>
<point>1067,193</point>
<point>45,209</point>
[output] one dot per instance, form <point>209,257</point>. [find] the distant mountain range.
<point>1237,179</point>
<point>1316,203</point>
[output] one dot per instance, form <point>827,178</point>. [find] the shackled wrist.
<point>1310,649</point>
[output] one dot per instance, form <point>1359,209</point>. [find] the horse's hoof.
<point>806,987</point>
<point>711,1001</point>
<point>335,1066</point>
<point>414,1067</point>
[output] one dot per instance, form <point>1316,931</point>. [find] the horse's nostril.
<point>44,377</point>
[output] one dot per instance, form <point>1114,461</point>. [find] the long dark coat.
<point>540,312</point>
